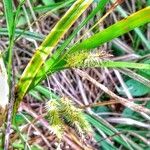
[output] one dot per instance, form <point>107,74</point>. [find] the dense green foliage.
<point>57,52</point>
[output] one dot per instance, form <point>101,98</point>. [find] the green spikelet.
<point>74,116</point>
<point>54,118</point>
<point>76,59</point>
<point>63,111</point>
<point>86,59</point>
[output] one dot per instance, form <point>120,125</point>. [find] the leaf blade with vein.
<point>46,48</point>
<point>137,19</point>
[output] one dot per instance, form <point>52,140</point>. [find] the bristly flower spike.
<point>54,118</point>
<point>61,112</point>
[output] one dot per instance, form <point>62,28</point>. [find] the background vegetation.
<point>75,74</point>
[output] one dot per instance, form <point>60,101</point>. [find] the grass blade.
<point>58,52</point>
<point>121,64</point>
<point>137,19</point>
<point>53,7</point>
<point>46,48</point>
<point>137,30</point>
<point>11,19</point>
<point>25,34</point>
<point>8,7</point>
<point>118,138</point>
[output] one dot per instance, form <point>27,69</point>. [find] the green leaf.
<point>119,64</point>
<point>130,114</point>
<point>136,30</point>
<point>100,109</point>
<point>136,88</point>
<point>104,145</point>
<point>46,48</point>
<point>59,51</point>
<point>9,14</point>
<point>11,20</point>
<point>48,2</point>
<point>45,92</point>
<point>8,8</point>
<point>145,73</point>
<point>137,19</point>
<point>104,128</point>
<point>25,34</point>
<point>53,7</point>
<point>22,21</point>
<point>36,147</point>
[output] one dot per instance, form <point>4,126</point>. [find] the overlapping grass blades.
<point>46,48</point>
<point>96,122</point>
<point>11,19</point>
<point>137,19</point>
<point>35,72</point>
<point>56,63</point>
<point>9,14</point>
<point>56,56</point>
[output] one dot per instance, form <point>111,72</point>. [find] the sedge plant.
<point>45,62</point>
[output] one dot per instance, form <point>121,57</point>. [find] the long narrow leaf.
<point>25,34</point>
<point>115,136</point>
<point>46,48</point>
<point>9,14</point>
<point>58,52</point>
<point>11,19</point>
<point>137,19</point>
<point>136,30</point>
<point>8,7</point>
<point>53,7</point>
<point>99,7</point>
<point>121,64</point>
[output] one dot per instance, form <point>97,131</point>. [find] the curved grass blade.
<point>116,136</point>
<point>59,51</point>
<point>136,30</point>
<point>137,19</point>
<point>46,48</point>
